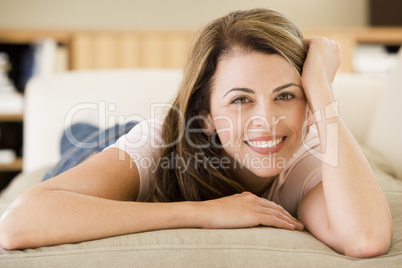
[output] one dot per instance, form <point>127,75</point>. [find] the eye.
<point>240,100</point>
<point>285,96</point>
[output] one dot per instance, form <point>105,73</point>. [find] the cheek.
<point>228,126</point>
<point>295,119</point>
<point>298,120</point>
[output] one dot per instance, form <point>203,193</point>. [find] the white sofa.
<point>104,97</point>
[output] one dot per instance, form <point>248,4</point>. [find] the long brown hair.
<point>193,174</point>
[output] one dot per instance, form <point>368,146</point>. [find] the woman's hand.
<point>319,69</point>
<point>246,210</point>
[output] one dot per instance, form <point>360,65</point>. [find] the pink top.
<point>143,144</point>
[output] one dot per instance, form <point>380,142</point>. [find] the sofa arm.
<point>358,96</point>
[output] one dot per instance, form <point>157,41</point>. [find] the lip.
<point>268,150</point>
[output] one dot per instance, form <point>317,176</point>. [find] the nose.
<point>259,121</point>
<point>262,117</point>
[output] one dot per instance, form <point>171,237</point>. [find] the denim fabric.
<point>82,140</point>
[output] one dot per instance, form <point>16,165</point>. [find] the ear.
<point>206,123</point>
<point>310,118</point>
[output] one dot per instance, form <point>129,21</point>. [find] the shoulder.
<point>143,143</point>
<point>147,133</point>
<point>305,166</point>
<point>300,175</point>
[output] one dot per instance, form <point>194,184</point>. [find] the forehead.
<point>252,69</point>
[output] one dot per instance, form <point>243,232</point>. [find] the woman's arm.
<point>90,201</point>
<point>348,210</point>
<point>94,200</point>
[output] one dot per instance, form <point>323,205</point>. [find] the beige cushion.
<point>386,129</point>
<point>349,89</point>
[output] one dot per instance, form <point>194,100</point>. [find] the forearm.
<point>348,211</point>
<point>55,217</point>
<point>356,206</point>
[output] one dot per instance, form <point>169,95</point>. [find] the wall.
<point>169,14</point>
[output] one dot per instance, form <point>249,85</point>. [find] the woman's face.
<point>258,109</point>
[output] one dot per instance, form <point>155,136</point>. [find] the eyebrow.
<point>286,86</point>
<point>247,90</point>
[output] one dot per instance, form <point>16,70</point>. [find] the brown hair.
<point>192,176</point>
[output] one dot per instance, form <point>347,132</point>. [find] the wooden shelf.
<point>17,164</point>
<point>18,36</point>
<point>14,166</point>
<point>108,49</point>
<point>11,117</point>
<point>380,35</point>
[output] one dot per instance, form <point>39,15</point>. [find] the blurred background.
<point>44,37</point>
<point>172,14</point>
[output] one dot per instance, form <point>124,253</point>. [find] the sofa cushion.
<point>386,129</point>
<point>255,247</point>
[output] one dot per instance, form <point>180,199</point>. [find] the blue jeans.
<point>81,140</point>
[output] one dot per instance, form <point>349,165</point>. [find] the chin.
<point>263,166</point>
<point>266,172</point>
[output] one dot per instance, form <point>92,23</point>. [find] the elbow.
<point>7,242</point>
<point>367,250</point>
<point>13,233</point>
<point>8,235</point>
<point>11,236</point>
<point>368,246</point>
<point>17,229</point>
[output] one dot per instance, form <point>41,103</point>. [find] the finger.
<point>295,224</point>
<point>285,216</point>
<point>271,208</point>
<point>318,39</point>
<point>338,48</point>
<point>279,211</point>
<point>270,204</point>
<point>306,42</point>
<point>272,220</point>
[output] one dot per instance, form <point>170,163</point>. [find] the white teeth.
<point>264,144</point>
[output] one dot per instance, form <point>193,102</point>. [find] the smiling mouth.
<point>265,144</point>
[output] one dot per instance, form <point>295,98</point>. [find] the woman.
<point>238,148</point>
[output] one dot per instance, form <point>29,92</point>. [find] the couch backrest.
<point>107,97</point>
<point>358,96</point>
<point>99,97</point>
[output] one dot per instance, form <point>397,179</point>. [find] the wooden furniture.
<point>93,50</point>
<point>140,49</point>
<point>9,170</point>
<point>14,166</point>
<point>168,49</point>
